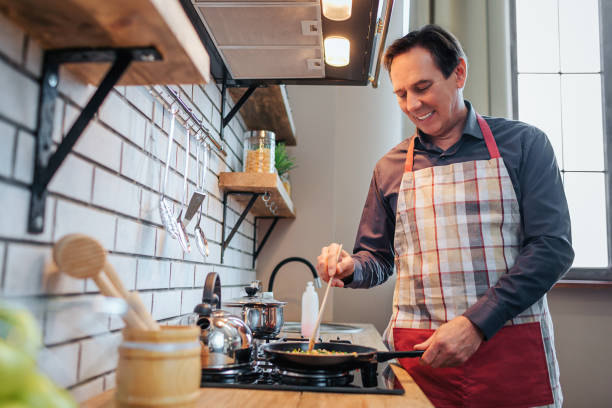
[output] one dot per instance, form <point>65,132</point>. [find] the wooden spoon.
<point>313,336</point>
<point>83,257</point>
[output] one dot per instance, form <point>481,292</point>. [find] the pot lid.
<point>266,300</point>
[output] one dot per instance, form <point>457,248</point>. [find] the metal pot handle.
<point>212,291</point>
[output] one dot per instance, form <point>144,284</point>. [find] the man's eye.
<point>422,88</point>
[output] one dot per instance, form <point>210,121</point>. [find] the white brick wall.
<point>107,188</point>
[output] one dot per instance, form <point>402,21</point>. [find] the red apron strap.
<point>488,137</point>
<point>486,132</point>
<point>410,155</point>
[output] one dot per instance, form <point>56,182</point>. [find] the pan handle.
<point>388,355</point>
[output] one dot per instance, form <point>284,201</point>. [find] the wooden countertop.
<point>245,398</point>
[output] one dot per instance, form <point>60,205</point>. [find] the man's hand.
<point>452,344</point>
<point>328,265</point>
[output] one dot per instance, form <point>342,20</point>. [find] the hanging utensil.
<point>316,326</point>
<point>166,213</point>
<point>201,240</point>
<point>182,232</point>
<point>199,194</point>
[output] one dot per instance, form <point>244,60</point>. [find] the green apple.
<point>19,329</point>
<point>15,367</point>
<point>39,392</point>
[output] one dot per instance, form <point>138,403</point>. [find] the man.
<point>472,213</point>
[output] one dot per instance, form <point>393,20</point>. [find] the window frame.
<point>589,275</point>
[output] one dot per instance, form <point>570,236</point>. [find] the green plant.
<point>282,161</point>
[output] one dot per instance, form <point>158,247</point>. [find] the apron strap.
<point>486,133</point>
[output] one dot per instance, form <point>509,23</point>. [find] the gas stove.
<point>377,378</point>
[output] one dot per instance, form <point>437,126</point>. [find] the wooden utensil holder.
<point>159,368</point>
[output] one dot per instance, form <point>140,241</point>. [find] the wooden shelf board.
<point>259,183</point>
<point>268,109</point>
<point>163,24</point>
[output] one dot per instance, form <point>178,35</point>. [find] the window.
<point>559,86</point>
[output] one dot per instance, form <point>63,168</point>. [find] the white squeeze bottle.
<point>310,309</point>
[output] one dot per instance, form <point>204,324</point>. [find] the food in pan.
<point>320,352</point>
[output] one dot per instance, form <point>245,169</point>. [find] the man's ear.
<point>461,73</point>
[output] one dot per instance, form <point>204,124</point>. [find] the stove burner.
<point>233,375</point>
<point>317,378</point>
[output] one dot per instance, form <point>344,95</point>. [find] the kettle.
<point>226,339</point>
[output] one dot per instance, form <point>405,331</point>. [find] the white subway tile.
<point>18,200</point>
<point>214,94</point>
<point>7,141</point>
<point>167,247</point>
<point>56,282</point>
<point>125,266</point>
<point>88,390</point>
<point>215,253</point>
<point>34,57</point>
<point>74,88</point>
<point>73,179</point>
<point>201,271</point>
<point>62,324</point>
<point>135,238</point>
<point>166,304</point>
<point>110,381</point>
<point>175,186</point>
<point>158,113</point>
<point>215,120</point>
<point>60,363</point>
<point>139,167</point>
<point>116,113</point>
<point>75,218</point>
<point>152,274</point>
<point>181,275</point>
<point>25,265</point>
<point>24,159</point>
<point>99,355</point>
<point>190,299</point>
<point>157,144</point>
<point>140,98</point>
<point>215,210</point>
<point>137,128</point>
<point>115,193</point>
<point>149,207</point>
<point>187,89</point>
<point>202,101</point>
<point>100,145</point>
<point>11,40</point>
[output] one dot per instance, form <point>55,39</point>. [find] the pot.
<point>226,339</point>
<point>261,312</point>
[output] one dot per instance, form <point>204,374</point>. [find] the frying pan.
<point>281,355</point>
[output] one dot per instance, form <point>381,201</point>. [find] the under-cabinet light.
<point>337,51</point>
<point>337,10</point>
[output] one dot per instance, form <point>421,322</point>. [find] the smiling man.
<point>471,212</point>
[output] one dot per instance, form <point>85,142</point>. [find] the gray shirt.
<point>546,252</point>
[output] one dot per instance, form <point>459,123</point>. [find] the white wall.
<point>108,188</point>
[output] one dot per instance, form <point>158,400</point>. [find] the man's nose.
<point>412,103</point>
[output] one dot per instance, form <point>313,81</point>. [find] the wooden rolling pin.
<point>83,257</point>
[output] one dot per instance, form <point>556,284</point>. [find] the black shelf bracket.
<point>48,162</point>
<point>256,250</point>
<point>226,119</point>
<point>225,241</point>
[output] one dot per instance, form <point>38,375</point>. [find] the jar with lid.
<point>258,154</point>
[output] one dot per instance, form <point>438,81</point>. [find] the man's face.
<point>432,102</point>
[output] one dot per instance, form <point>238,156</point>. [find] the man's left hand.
<point>451,344</point>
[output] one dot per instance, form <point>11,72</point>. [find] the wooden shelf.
<point>268,109</point>
<point>163,24</point>
<point>259,183</point>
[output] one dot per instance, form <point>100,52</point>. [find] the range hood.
<point>261,42</point>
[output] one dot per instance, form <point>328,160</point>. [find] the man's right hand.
<point>329,265</point>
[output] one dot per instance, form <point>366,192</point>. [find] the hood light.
<point>337,51</point>
<point>337,10</point>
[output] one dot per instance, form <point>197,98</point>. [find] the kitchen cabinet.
<point>233,397</point>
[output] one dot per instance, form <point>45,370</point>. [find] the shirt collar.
<point>471,127</point>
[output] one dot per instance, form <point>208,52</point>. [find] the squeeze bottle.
<point>310,310</point>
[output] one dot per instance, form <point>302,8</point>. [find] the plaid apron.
<point>458,230</point>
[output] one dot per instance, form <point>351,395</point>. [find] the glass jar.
<point>258,151</point>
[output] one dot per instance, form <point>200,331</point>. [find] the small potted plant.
<point>283,163</point>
